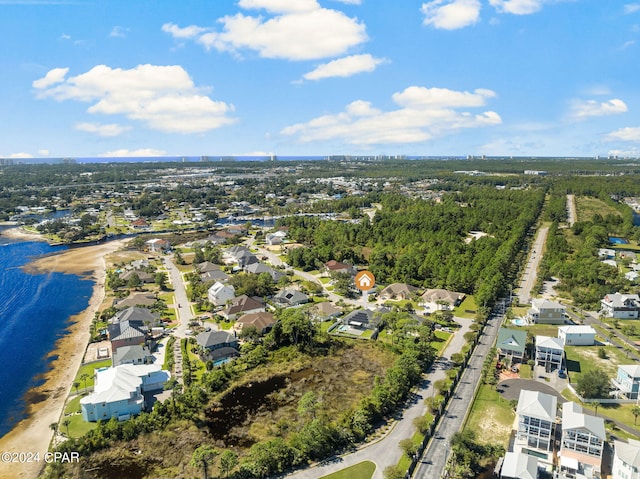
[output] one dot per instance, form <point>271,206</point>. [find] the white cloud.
<point>451,14</point>
<point>517,7</point>
<point>424,113</point>
<point>133,153</point>
<point>630,152</point>
<point>582,109</point>
<point>631,8</point>
<point>119,32</point>
<point>628,133</point>
<point>22,154</point>
<point>164,98</point>
<point>192,31</point>
<point>110,130</point>
<point>344,67</point>
<point>300,30</point>
<point>64,36</point>
<point>51,78</point>
<point>43,152</point>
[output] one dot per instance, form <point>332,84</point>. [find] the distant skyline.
<point>319,77</point>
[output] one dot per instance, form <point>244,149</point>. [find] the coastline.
<point>19,233</point>
<point>33,433</point>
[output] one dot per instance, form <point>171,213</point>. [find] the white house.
<point>118,392</point>
<point>627,381</point>
<point>549,352</point>
<point>626,460</point>
<point>583,438</point>
<point>621,306</point>
<point>519,466</point>
<point>219,293</point>
<point>535,419</point>
<point>577,335</point>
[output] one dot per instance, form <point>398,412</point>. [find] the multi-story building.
<point>549,352</point>
<point>627,382</point>
<point>621,306</point>
<point>546,312</point>
<point>511,344</point>
<point>626,460</point>
<point>583,438</point>
<point>535,419</point>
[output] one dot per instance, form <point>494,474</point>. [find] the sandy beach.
<point>33,434</point>
<point>21,234</point>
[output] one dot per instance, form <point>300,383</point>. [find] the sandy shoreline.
<point>33,434</point>
<point>21,234</point>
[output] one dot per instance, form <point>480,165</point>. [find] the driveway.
<point>510,389</point>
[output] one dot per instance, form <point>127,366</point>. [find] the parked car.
<point>561,373</point>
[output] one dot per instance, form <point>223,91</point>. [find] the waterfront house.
<point>583,438</point>
<point>620,306</point>
<point>549,353</point>
<point>577,335</point>
<point>627,381</point>
<point>142,275</point>
<point>119,391</point>
<point>136,299</point>
<point>626,460</point>
<point>535,420</point>
<point>132,326</point>
<point>136,354</point>
<point>543,311</point>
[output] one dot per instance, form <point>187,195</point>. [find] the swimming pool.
<point>617,240</point>
<point>519,322</point>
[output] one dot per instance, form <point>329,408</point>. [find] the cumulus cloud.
<point>300,30</point>
<point>344,67</point>
<point>163,98</point>
<point>582,109</point>
<point>99,129</point>
<point>132,153</point>
<point>517,7</point>
<point>628,133</point>
<point>21,154</point>
<point>423,114</point>
<point>451,14</point>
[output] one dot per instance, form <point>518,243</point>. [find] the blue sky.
<point>319,77</point>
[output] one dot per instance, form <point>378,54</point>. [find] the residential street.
<point>434,459</point>
<point>183,308</point>
<point>385,452</point>
<point>531,269</point>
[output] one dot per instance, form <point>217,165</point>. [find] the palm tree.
<point>635,410</point>
<point>84,377</point>
<point>54,427</point>
<point>66,423</point>
<point>76,385</point>
<point>595,405</point>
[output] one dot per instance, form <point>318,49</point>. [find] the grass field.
<point>582,359</point>
<point>88,369</point>
<point>363,470</point>
<point>469,304</point>
<point>587,206</point>
<point>491,417</point>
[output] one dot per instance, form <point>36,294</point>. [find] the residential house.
<point>577,335</point>
<point>606,253</point>
<point>276,238</point>
<point>137,299</point>
<point>519,466</point>
<point>362,319</point>
<point>142,275</point>
<point>219,294</point>
<point>398,292</point>
<point>544,311</point>
<point>627,381</point>
<point>136,354</point>
<point>535,419</point>
<point>207,266</point>
<point>242,305</point>
<point>632,276</point>
<point>132,326</point>
<point>549,352</point>
<point>140,224</point>
<point>246,259</point>
<point>263,322</point>
<point>626,460</point>
<point>511,344</point>
<point>583,438</point>
<point>325,311</point>
<point>441,299</point>
<point>620,306</point>
<point>334,266</point>
<point>291,297</point>
<point>158,245</point>
<point>219,276</point>
<point>119,391</point>
<point>212,340</point>
<point>259,268</point>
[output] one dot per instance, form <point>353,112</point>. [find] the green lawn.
<point>491,417</point>
<point>582,359</point>
<point>543,329</point>
<point>525,371</point>
<point>441,341</point>
<point>88,369</point>
<point>362,470</point>
<point>77,426</point>
<point>469,304</point>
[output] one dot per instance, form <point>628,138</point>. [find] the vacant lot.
<point>582,359</point>
<point>587,206</point>
<point>491,417</point>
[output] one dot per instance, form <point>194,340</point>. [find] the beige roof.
<point>259,320</point>
<point>435,295</point>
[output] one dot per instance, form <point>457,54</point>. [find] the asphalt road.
<point>433,461</point>
<point>531,269</point>
<point>183,306</point>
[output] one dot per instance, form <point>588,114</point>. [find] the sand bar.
<point>22,234</point>
<point>33,434</point>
